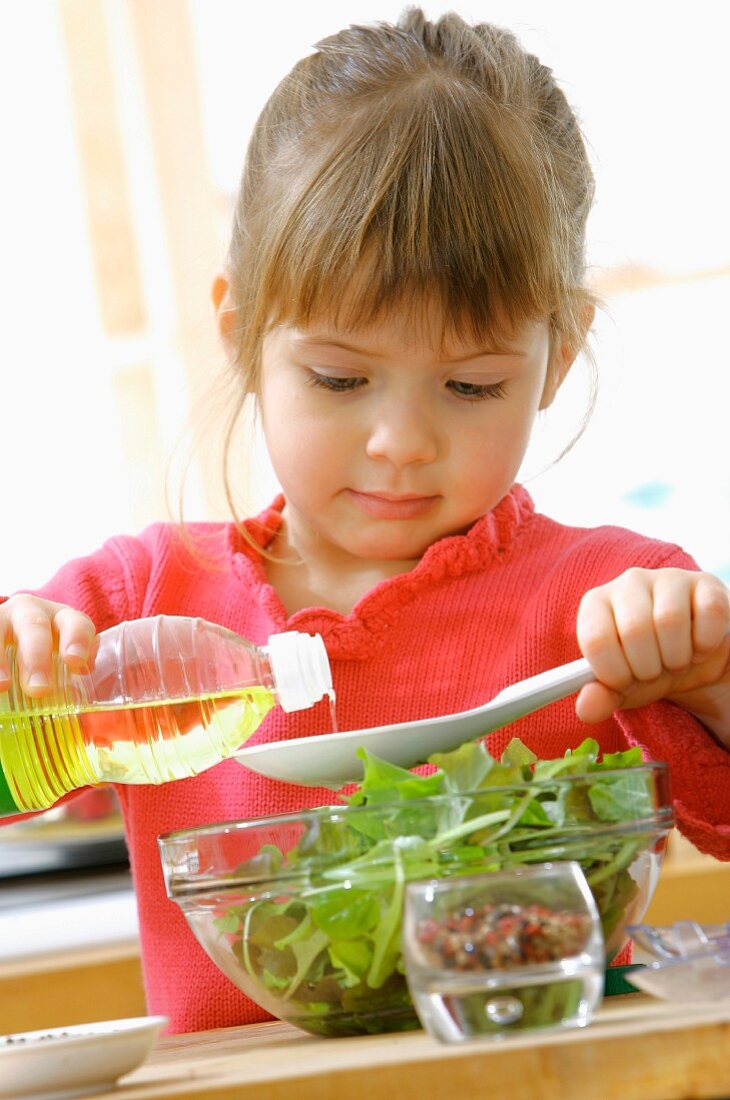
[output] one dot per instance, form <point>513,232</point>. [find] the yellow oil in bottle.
<point>46,753</point>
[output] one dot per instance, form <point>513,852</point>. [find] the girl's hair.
<point>425,163</point>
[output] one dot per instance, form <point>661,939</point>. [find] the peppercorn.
<point>496,937</point>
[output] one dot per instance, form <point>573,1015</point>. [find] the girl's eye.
<point>334,383</point>
<point>475,392</point>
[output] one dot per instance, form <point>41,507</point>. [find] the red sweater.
<point>479,611</point>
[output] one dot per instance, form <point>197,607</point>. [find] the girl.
<point>403,293</point>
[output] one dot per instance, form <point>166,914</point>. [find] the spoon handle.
<point>548,686</point>
<point>530,695</point>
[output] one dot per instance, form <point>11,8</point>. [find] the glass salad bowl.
<point>304,911</point>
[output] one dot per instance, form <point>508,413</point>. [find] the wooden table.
<point>636,1049</point>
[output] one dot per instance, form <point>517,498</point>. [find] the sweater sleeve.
<point>699,767</point>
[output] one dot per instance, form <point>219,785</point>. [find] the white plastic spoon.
<point>330,760</point>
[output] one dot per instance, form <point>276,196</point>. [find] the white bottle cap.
<point>300,668</point>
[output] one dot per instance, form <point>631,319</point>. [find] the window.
<point>128,131</point>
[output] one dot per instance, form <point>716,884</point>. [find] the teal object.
<point>652,494</point>
<point>7,802</point>
<point>616,983</point>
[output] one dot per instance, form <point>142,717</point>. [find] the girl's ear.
<point>225,312</point>
<point>563,357</point>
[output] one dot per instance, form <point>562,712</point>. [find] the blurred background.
<point>125,126</point>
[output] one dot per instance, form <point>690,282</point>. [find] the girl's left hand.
<point>658,634</point>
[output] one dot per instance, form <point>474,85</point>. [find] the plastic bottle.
<point>167,698</point>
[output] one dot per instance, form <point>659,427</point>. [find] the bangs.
<point>428,198</point>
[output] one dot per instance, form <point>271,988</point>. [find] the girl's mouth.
<point>391,506</point>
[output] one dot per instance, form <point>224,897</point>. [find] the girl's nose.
<point>403,436</point>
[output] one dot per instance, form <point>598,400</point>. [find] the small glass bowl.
<point>491,955</point>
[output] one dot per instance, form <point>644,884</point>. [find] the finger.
<point>633,612</point>
<point>710,615</point>
<point>596,703</point>
<point>673,618</point>
<point>34,640</point>
<point>599,641</point>
<point>75,638</point>
<point>5,640</point>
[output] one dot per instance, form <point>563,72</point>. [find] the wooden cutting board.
<point>636,1049</point>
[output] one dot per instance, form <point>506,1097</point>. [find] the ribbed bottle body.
<point>168,697</point>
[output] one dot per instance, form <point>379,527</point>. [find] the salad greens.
<point>320,943</point>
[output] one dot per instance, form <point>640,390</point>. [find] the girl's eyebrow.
<point>330,342</point>
<point>487,352</point>
<point>326,341</point>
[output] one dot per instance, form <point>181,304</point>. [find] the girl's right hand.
<point>38,628</point>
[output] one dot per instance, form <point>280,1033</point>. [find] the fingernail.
<point>77,651</point>
<point>38,680</point>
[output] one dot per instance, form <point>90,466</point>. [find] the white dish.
<point>331,760</point>
<point>699,978</point>
<point>692,961</point>
<point>61,1062</point>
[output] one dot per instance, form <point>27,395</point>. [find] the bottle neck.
<point>264,671</point>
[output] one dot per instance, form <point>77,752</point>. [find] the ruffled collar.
<point>491,538</point>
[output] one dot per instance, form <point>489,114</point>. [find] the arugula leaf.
<point>344,914</point>
<point>385,782</point>
<point>230,922</point>
<point>305,952</point>
<point>518,755</point>
<point>386,940</point>
<point>629,758</point>
<point>271,981</point>
<point>352,956</point>
<point>267,861</point>
<point>620,798</point>
<point>465,768</point>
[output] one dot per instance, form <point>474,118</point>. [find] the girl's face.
<point>384,441</point>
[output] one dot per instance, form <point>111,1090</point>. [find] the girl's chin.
<point>404,541</point>
<point>391,546</point>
